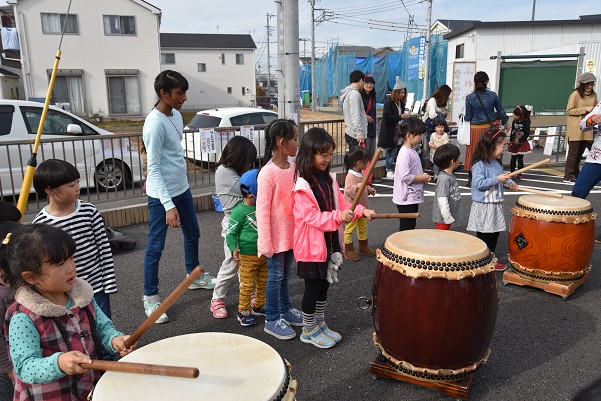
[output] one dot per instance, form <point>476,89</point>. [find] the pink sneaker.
<point>218,309</point>
<point>500,267</point>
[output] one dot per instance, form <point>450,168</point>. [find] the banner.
<point>417,58</point>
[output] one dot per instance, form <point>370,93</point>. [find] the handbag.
<point>463,132</point>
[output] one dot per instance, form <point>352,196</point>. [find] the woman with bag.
<point>368,94</point>
<point>582,100</point>
<point>482,107</point>
<point>394,111</point>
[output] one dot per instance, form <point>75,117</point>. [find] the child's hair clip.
<point>6,239</point>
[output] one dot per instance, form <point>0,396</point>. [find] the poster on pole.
<point>462,85</point>
<point>417,58</point>
<point>248,131</point>
<point>207,140</point>
<point>550,141</point>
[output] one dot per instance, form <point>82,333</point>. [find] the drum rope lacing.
<point>556,212</point>
<point>524,271</point>
<point>438,266</point>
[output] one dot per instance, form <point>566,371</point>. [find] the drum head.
<point>566,203</point>
<point>232,367</point>
<point>436,253</point>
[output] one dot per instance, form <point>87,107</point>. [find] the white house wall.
<point>91,50</point>
<point>209,89</point>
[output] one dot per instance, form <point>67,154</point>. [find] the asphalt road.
<point>543,348</point>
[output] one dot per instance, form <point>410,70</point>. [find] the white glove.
<point>333,266</point>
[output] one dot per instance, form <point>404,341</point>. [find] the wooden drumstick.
<point>536,191</point>
<point>170,300</point>
<point>370,170</point>
<point>395,216</point>
<point>533,165</point>
<point>142,368</point>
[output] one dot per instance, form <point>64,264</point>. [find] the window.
<point>229,90</point>
<point>202,67</point>
<point>53,23</point>
<point>459,51</point>
<point>119,25</point>
<point>223,58</point>
<point>167,58</point>
<point>6,118</point>
<point>123,92</point>
<point>56,122</point>
<point>68,88</point>
<point>243,91</point>
<point>239,58</point>
<point>247,119</point>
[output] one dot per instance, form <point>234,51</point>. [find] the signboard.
<point>463,85</point>
<point>417,58</point>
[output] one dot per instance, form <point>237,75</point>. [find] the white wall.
<point>209,89</point>
<point>91,50</point>
<point>14,83</point>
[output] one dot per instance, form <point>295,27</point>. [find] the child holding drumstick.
<point>447,198</point>
<point>487,217</point>
<point>55,325</point>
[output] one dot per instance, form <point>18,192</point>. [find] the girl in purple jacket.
<point>319,210</point>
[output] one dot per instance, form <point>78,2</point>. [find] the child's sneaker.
<point>317,338</point>
<point>390,175</point>
<point>280,329</point>
<point>294,317</point>
<point>330,333</point>
<point>205,281</point>
<point>150,307</point>
<point>258,311</point>
<point>500,267</point>
<point>218,309</point>
<point>246,318</point>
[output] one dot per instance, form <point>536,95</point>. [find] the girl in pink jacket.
<point>319,210</point>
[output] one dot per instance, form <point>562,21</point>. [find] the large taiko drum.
<point>434,303</point>
<point>232,367</point>
<point>552,238</point>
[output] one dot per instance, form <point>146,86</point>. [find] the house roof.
<point>7,73</point>
<point>587,19</point>
<point>361,51</point>
<point>455,24</point>
<point>207,41</point>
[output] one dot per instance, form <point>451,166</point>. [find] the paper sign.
<point>550,141</point>
<point>207,140</point>
<point>248,131</point>
<point>463,85</point>
<point>293,117</point>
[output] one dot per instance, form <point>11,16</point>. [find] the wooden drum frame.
<point>232,367</point>
<point>434,303</point>
<point>551,239</point>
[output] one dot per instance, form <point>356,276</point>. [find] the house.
<point>110,53</point>
<point>444,26</point>
<point>11,86</point>
<point>220,68</point>
<point>528,62</point>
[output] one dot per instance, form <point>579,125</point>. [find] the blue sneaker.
<point>317,337</point>
<point>329,332</point>
<point>294,317</point>
<point>280,329</point>
<point>246,318</point>
<point>205,281</point>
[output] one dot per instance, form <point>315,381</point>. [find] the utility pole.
<point>313,93</point>
<point>427,59</point>
<point>533,8</point>
<point>304,40</point>
<point>292,70</point>
<point>281,60</point>
<point>268,56</point>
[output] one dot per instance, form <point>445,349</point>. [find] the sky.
<point>348,22</point>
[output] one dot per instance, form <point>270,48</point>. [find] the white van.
<point>107,164</point>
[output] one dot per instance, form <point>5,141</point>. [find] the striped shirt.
<point>93,257</point>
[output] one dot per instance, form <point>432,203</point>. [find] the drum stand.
<point>562,289</point>
<point>457,389</point>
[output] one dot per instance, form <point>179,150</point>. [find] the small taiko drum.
<point>552,239</point>
<point>434,303</point>
<point>232,367</point>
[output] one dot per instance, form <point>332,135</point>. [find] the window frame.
<point>61,23</point>
<point>460,51</point>
<point>133,17</point>
<point>239,58</point>
<point>202,67</point>
<point>165,61</point>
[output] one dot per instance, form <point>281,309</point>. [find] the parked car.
<point>222,118</point>
<point>267,102</point>
<point>108,164</point>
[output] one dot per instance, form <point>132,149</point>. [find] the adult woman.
<point>394,111</point>
<point>368,94</point>
<point>435,108</point>
<point>590,174</point>
<point>581,101</point>
<point>482,107</point>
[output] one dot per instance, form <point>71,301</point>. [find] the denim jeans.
<point>350,141</point>
<point>104,303</point>
<point>589,176</point>
<point>157,231</point>
<point>390,156</point>
<point>277,301</point>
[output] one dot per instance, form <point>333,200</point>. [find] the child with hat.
<point>241,238</point>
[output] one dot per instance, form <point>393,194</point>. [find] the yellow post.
<point>32,163</point>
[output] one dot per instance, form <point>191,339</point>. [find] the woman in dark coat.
<point>394,111</point>
<point>368,93</point>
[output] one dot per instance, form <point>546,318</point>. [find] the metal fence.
<point>113,168</point>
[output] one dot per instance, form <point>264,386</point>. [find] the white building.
<point>528,62</point>
<point>110,53</point>
<point>219,68</point>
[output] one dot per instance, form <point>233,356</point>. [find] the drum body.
<point>232,367</point>
<point>551,239</point>
<point>435,303</point>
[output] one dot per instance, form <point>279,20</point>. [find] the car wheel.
<point>112,175</point>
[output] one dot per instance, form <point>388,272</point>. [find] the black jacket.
<point>390,120</point>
